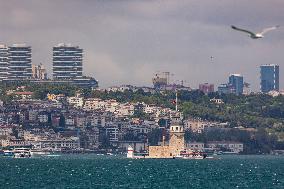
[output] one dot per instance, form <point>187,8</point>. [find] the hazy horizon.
<point>128,41</point>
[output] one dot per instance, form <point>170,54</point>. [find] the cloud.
<point>103,66</point>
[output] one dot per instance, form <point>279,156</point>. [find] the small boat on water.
<point>189,154</point>
<point>8,153</point>
<point>36,152</point>
<point>53,155</point>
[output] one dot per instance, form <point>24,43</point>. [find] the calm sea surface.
<point>92,171</point>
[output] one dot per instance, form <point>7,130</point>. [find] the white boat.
<point>22,153</point>
<point>189,154</point>
<point>8,153</point>
<point>53,155</point>
<point>36,152</point>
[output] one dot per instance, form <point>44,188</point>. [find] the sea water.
<point>93,171</point>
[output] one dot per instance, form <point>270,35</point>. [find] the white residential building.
<point>6,131</point>
<point>198,125</point>
<point>80,121</point>
<point>112,133</point>
<point>42,117</point>
<point>93,104</point>
<point>70,121</point>
<point>33,115</point>
<point>58,144</point>
<point>77,102</point>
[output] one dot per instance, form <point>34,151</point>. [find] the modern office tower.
<point>67,62</point>
<point>19,62</point>
<point>269,78</point>
<point>206,88</point>
<point>3,62</point>
<point>39,72</point>
<point>237,82</point>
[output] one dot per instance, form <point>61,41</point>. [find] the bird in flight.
<point>256,35</point>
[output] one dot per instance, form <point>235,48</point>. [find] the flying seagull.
<point>256,35</point>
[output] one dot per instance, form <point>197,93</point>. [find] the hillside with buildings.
<point>70,118</point>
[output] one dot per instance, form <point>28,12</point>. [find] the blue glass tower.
<point>237,83</point>
<point>269,78</point>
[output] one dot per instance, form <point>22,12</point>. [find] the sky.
<point>128,41</point>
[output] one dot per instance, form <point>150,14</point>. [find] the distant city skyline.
<point>127,42</point>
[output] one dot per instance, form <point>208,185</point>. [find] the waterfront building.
<point>19,62</point>
<point>206,88</point>
<point>67,62</point>
<point>58,144</point>
<point>231,146</point>
<point>269,78</point>
<point>3,62</point>
<point>39,72</point>
<point>13,142</point>
<point>237,83</point>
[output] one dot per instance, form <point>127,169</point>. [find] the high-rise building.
<point>269,78</point>
<point>3,62</point>
<point>67,62</point>
<point>19,62</point>
<point>206,88</point>
<point>237,82</point>
<point>225,89</point>
<point>39,72</point>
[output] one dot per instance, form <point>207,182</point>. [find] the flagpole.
<point>176,101</point>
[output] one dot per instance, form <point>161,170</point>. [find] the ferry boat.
<point>22,153</point>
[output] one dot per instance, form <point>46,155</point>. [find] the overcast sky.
<point>127,41</point>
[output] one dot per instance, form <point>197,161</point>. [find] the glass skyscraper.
<point>67,62</point>
<point>237,83</point>
<point>269,78</point>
